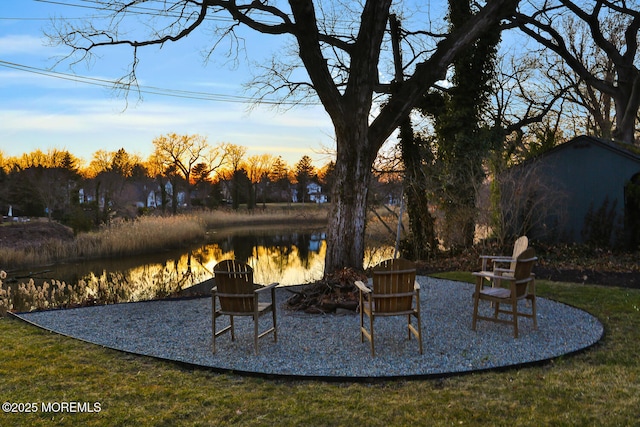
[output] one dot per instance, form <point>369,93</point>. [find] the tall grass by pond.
<point>105,289</point>
<point>273,214</point>
<point>148,234</point>
<point>120,238</point>
<point>600,386</point>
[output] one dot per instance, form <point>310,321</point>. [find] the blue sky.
<point>41,110</point>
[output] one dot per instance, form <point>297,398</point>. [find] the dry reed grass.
<point>106,289</point>
<point>274,214</point>
<point>120,238</point>
<point>144,235</point>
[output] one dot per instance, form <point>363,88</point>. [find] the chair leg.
<point>255,332</point>
<point>275,325</point>
<point>213,328</point>
<point>532,296</point>
<point>233,331</point>
<point>476,300</point>
<point>373,349</point>
<point>361,318</point>
<point>213,323</point>
<point>514,311</point>
<point>418,329</point>
<point>533,312</point>
<point>273,314</point>
<point>409,326</point>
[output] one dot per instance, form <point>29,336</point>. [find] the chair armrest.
<point>362,287</point>
<point>495,259</point>
<point>483,273</point>
<point>490,275</point>
<point>267,287</point>
<point>502,259</point>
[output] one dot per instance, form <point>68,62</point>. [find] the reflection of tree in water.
<point>279,246</point>
<point>166,279</point>
<point>286,257</point>
<point>204,254</point>
<point>275,256</point>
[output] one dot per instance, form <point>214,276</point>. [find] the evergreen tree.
<point>304,172</point>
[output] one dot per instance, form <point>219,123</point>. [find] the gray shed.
<point>584,191</point>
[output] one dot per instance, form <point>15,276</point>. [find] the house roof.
<point>620,148</point>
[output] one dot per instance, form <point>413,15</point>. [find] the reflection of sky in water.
<point>284,264</point>
<point>288,268</point>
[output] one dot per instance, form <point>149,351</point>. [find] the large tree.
<point>258,167</point>
<point>236,176</point>
<point>462,140</point>
<point>343,64</point>
<point>179,154</point>
<point>613,27</point>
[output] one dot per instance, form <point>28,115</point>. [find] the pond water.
<point>277,254</point>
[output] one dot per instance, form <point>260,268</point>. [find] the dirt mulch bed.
<point>592,277</point>
<point>629,279</point>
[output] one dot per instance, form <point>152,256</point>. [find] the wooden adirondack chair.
<point>235,294</point>
<point>521,286</point>
<point>503,265</point>
<point>519,246</point>
<point>395,292</point>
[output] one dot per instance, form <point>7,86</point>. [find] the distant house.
<point>580,191</point>
<point>314,191</point>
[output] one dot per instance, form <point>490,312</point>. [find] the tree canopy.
<point>343,66</point>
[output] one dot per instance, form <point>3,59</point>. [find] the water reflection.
<point>276,255</point>
<point>286,257</point>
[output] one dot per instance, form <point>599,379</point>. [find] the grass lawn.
<point>598,387</point>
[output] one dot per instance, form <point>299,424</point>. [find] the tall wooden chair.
<point>235,294</point>
<point>503,265</point>
<point>395,292</point>
<point>519,246</point>
<point>521,287</point>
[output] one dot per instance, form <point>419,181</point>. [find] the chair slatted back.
<point>522,272</point>
<point>393,282</point>
<point>519,246</point>
<point>234,281</point>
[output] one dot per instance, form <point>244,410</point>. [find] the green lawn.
<point>598,387</point>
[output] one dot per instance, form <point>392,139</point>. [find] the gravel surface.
<point>329,346</point>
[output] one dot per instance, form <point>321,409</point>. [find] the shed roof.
<point>621,148</point>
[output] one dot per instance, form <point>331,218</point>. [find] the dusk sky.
<point>44,108</point>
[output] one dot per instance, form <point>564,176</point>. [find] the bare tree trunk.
<point>422,242</point>
<point>627,102</point>
<point>347,218</point>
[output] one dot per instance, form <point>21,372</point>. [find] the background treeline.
<point>183,172</point>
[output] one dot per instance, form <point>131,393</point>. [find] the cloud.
<point>22,44</point>
<point>86,125</point>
